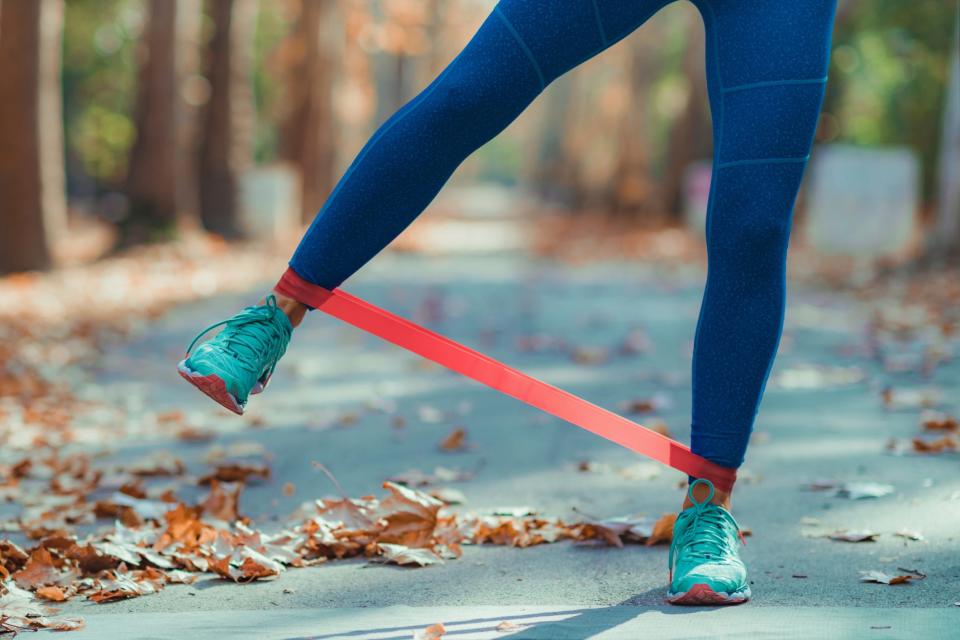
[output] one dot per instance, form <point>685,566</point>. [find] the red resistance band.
<point>505,379</point>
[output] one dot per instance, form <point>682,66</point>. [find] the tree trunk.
<point>946,236</point>
<point>557,169</point>
<point>32,199</point>
<point>226,148</point>
<point>161,182</point>
<point>690,135</point>
<point>634,191</point>
<point>307,130</point>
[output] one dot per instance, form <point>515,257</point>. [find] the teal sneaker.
<point>241,358</point>
<point>705,565</point>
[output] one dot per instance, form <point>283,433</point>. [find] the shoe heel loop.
<point>709,495</point>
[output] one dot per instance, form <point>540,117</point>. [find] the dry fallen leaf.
<point>247,472</point>
<point>936,421</point>
<point>946,443</point>
<point>448,495</point>
<point>884,578</point>
<point>456,440</point>
<point>590,355</point>
<point>223,501</point>
<point>433,632</point>
<point>909,535</point>
<point>53,594</point>
<point>505,626</point>
<point>662,530</point>
<point>405,556</point>
<point>410,516</point>
<point>19,611</point>
<point>845,535</point>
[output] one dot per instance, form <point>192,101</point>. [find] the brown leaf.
<point>662,530</point>
<point>456,440</point>
<point>936,421</point>
<point>884,578</point>
<point>124,584</point>
<point>223,501</point>
<point>89,560</point>
<point>19,611</point>
<point>590,355</point>
<point>238,472</point>
<point>40,570</point>
<point>616,531</point>
<point>193,434</point>
<point>640,405</point>
<point>946,443</point>
<point>405,556</point>
<point>52,593</point>
<point>433,632</point>
<point>410,516</point>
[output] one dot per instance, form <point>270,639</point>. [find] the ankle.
<point>293,309</point>
<point>700,492</point>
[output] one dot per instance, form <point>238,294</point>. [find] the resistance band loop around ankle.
<point>504,379</point>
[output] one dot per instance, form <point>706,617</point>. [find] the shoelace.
<point>705,537</point>
<point>249,345</point>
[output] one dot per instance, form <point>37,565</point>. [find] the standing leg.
<point>767,66</point>
<point>766,72</point>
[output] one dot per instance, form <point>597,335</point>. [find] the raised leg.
<point>521,47</point>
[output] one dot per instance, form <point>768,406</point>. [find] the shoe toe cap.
<point>720,578</point>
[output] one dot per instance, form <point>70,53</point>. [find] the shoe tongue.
<point>283,321</point>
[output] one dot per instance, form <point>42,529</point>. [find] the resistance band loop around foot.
<point>504,379</point>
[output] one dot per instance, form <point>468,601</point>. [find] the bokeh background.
<point>140,121</point>
<point>159,160</point>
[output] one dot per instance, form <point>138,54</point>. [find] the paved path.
<point>804,586</point>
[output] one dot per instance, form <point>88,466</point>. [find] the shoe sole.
<point>213,386</point>
<point>703,595</point>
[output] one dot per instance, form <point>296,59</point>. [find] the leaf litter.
<point>158,539</point>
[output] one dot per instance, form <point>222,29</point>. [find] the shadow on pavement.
<point>581,624</point>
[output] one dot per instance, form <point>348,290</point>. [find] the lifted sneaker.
<point>705,565</point>
<point>241,358</point>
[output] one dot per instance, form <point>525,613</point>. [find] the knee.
<point>463,98</point>
<point>753,236</point>
<point>753,209</point>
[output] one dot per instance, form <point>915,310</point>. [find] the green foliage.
<point>99,83</point>
<point>272,25</point>
<point>887,82</point>
<point>888,76</point>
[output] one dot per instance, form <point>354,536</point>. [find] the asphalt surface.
<point>335,400</point>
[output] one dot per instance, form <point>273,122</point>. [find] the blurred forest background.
<point>135,121</point>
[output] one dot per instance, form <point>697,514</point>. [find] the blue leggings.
<point>766,73</point>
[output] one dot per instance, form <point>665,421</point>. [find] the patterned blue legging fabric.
<point>766,73</point>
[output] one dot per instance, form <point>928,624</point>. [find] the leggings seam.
<point>774,83</point>
<point>784,160</point>
<point>603,33</point>
<point>523,45</point>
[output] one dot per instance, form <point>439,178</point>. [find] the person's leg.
<point>522,46</point>
<point>766,67</point>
